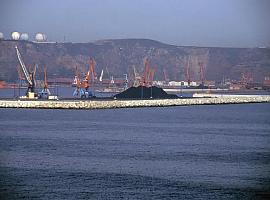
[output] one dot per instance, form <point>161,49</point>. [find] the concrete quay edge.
<point>107,104</point>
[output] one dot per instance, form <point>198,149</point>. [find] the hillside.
<point>118,57</point>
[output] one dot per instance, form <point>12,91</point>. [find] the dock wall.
<point>105,104</point>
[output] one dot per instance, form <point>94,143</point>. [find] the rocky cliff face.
<point>118,57</point>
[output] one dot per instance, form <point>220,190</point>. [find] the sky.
<point>220,23</point>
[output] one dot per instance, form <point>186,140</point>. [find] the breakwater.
<point>105,104</point>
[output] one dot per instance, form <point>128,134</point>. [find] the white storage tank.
<point>40,37</point>
<point>24,36</point>
<point>15,35</point>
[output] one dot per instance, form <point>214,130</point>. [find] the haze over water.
<point>196,152</point>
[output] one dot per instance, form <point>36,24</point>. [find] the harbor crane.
<point>82,87</point>
<point>151,76</point>
<point>137,77</point>
<point>29,76</point>
<point>145,73</point>
<point>202,72</point>
<point>45,92</point>
<point>92,71</point>
<point>148,74</point>
<point>125,82</point>
<point>101,76</point>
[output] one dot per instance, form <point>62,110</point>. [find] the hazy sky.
<point>237,23</point>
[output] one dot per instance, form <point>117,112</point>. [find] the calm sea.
<point>195,152</point>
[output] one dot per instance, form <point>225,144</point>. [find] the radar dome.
<point>40,37</point>
<point>15,35</point>
<point>24,36</point>
<point>1,36</point>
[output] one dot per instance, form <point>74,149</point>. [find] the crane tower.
<point>29,76</point>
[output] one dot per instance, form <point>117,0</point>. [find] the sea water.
<point>193,152</point>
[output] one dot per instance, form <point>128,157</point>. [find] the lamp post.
<point>141,92</point>
<point>181,89</point>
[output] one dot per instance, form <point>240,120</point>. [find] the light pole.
<point>141,92</point>
<point>181,89</point>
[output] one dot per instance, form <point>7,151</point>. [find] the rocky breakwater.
<point>104,104</point>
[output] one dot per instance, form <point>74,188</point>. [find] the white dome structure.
<point>15,35</point>
<point>24,36</point>
<point>40,37</point>
<point>1,36</point>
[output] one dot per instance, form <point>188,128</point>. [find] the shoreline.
<point>117,103</point>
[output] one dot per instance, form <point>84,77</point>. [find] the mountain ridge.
<point>120,56</point>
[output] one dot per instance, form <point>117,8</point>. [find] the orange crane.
<point>148,74</point>
<point>92,70</point>
<point>151,76</point>
<point>85,83</point>
<point>45,92</point>
<point>82,87</point>
<point>202,72</point>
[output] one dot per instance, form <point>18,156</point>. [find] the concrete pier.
<point>105,104</point>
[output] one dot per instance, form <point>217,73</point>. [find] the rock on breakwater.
<point>105,104</point>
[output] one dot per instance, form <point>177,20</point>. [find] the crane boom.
<point>202,71</point>
<point>92,70</point>
<point>101,76</point>
<point>146,72</point>
<point>26,74</point>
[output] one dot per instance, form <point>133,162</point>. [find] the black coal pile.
<point>143,92</point>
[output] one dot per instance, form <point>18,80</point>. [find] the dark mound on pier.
<point>143,92</point>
